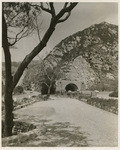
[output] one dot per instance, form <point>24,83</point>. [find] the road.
<point>101,126</point>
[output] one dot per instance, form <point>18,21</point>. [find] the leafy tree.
<point>48,81</point>
<point>20,16</point>
<point>50,74</point>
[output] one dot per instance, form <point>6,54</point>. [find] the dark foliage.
<point>105,85</point>
<point>18,90</point>
<point>44,89</point>
<point>114,94</point>
<point>19,127</point>
<point>106,104</point>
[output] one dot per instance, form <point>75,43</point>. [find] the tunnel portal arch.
<point>71,87</point>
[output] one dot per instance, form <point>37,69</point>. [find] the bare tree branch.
<point>13,18</point>
<point>64,19</point>
<point>45,9</point>
<point>52,9</point>
<point>41,45</point>
<point>16,38</point>
<point>45,71</point>
<point>65,5</point>
<point>37,28</point>
<point>24,34</point>
<point>66,9</point>
<point>45,84</point>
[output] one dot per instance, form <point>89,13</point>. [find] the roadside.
<point>105,95</point>
<point>97,127</point>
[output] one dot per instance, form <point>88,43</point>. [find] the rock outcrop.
<point>86,58</point>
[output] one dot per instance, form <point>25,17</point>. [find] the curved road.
<point>101,126</point>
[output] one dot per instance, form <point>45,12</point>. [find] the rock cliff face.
<point>87,57</point>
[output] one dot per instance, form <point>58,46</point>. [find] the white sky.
<point>83,15</point>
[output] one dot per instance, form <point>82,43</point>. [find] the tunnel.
<point>71,87</point>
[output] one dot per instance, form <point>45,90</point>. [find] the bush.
<point>114,94</point>
<point>61,93</point>
<point>105,84</point>
<point>74,94</point>
<point>22,127</point>
<point>84,95</point>
<point>106,104</point>
<point>19,127</point>
<point>18,90</point>
<point>44,89</point>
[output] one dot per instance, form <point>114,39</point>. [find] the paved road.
<point>100,126</point>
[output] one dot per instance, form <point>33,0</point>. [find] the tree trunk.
<point>11,82</point>
<point>8,82</point>
<point>8,125</point>
<point>49,88</point>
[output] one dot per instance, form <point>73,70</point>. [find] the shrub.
<point>18,90</point>
<point>44,89</point>
<point>105,84</point>
<point>22,127</point>
<point>84,95</point>
<point>114,94</point>
<point>19,127</point>
<point>106,104</point>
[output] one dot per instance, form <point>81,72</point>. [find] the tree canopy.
<point>18,21</point>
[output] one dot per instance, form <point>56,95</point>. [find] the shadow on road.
<point>59,135</point>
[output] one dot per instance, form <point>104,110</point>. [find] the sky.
<point>82,16</point>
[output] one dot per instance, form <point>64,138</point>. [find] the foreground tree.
<point>24,18</point>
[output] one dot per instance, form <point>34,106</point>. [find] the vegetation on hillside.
<point>98,46</point>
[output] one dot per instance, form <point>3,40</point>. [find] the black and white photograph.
<point>59,74</point>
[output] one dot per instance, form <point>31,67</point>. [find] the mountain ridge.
<point>96,47</point>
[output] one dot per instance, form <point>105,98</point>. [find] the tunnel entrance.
<point>71,87</point>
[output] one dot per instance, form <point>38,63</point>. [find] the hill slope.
<point>88,57</point>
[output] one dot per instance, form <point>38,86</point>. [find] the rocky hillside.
<point>98,45</point>
<point>89,56</point>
